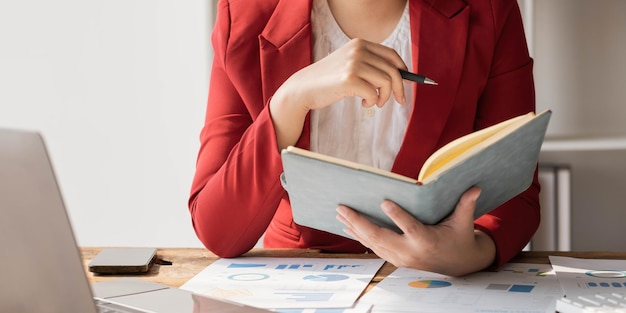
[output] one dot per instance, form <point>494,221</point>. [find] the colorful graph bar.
<point>293,266</point>
<point>340,267</point>
<point>510,288</point>
<point>521,288</point>
<point>606,284</point>
<point>245,265</point>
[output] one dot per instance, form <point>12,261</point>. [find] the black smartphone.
<point>123,260</point>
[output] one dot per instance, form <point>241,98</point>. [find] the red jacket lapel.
<point>438,29</point>
<point>286,47</point>
<point>437,32</point>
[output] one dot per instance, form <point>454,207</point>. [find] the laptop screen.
<point>41,265</point>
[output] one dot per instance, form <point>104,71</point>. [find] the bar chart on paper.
<point>285,283</point>
<point>589,276</point>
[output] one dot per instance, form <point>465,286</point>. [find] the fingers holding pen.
<point>372,70</point>
<point>357,69</point>
<point>387,61</point>
<point>375,86</point>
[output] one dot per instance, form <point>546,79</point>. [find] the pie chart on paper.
<point>429,284</point>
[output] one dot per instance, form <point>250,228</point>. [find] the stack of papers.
<point>334,284</point>
<point>517,287</point>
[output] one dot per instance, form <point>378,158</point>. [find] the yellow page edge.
<point>445,156</point>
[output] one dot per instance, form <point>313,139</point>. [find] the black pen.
<point>417,78</point>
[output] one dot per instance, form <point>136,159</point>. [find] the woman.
<point>323,75</point>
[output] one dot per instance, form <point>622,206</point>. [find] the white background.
<point>118,88</point>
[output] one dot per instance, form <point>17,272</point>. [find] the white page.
<point>279,283</point>
<point>516,287</point>
<point>589,276</point>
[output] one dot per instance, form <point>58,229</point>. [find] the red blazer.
<point>474,49</point>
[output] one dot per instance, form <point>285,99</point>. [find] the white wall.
<point>118,88</point>
<point>580,73</point>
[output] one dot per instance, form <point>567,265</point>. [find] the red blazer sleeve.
<point>509,91</point>
<point>236,188</point>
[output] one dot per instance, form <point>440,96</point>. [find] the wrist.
<point>476,257</point>
<point>289,103</point>
<point>288,115</point>
<point>486,248</point>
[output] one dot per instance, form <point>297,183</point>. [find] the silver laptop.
<point>41,268</point>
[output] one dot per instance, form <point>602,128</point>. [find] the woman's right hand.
<point>358,69</point>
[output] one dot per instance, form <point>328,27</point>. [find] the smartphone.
<point>123,260</point>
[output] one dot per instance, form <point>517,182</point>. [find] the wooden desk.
<point>187,262</point>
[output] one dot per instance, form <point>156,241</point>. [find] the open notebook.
<point>41,268</point>
<point>500,159</point>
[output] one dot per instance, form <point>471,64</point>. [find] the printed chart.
<point>428,283</point>
<point>287,283</point>
<point>589,276</point>
<point>517,287</point>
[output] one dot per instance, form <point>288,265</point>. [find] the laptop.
<point>41,269</point>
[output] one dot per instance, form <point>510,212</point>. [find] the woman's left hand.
<point>452,247</point>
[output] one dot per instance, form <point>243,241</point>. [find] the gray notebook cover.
<point>502,171</point>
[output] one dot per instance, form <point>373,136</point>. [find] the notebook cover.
<point>502,171</point>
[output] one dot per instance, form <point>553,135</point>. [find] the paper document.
<point>589,276</point>
<point>517,287</point>
<point>280,283</point>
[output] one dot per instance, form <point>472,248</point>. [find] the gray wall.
<point>580,71</point>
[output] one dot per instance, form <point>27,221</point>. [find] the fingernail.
<point>386,206</point>
<point>474,197</point>
<point>341,211</point>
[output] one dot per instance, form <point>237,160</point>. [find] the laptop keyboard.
<point>601,302</point>
<point>108,307</point>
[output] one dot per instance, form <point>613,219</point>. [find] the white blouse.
<point>345,129</point>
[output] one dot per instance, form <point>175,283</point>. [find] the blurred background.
<point>118,88</point>
<point>580,73</point>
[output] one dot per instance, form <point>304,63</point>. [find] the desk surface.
<point>187,262</point>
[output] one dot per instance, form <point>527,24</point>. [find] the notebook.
<point>41,268</point>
